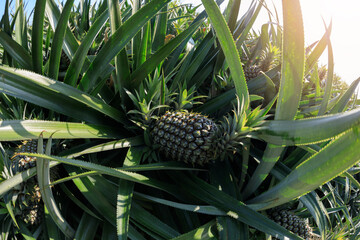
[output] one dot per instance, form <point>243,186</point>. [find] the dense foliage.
<point>255,132</point>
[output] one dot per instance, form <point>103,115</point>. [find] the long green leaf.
<point>292,74</point>
<point>20,26</point>
<point>118,40</point>
<point>87,227</point>
<point>53,15</point>
<point>43,178</point>
<point>319,49</point>
<point>233,207</point>
<point>121,60</point>
<point>123,143</point>
<point>292,71</point>
<point>145,218</point>
<point>301,132</point>
<point>13,130</point>
<point>93,195</point>
<point>37,36</point>
<point>124,196</point>
<point>56,46</point>
<point>76,64</point>
<point>210,210</point>
<point>205,232</point>
<point>160,29</point>
<point>16,51</point>
<point>229,48</point>
<point>344,100</point>
<point>19,178</point>
<point>249,25</point>
<point>140,73</point>
<point>55,95</point>
<point>122,174</point>
<point>329,80</point>
<point>339,155</point>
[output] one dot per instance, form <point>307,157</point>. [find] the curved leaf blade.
<point>125,196</point>
<point>77,62</point>
<point>37,36</point>
<point>329,80</point>
<point>122,174</point>
<point>55,95</point>
<point>339,155</point>
<point>16,50</point>
<point>13,130</point>
<point>229,48</point>
<point>344,100</point>
<point>232,206</point>
<point>307,131</point>
<point>58,39</point>
<point>117,42</point>
<point>149,65</point>
<point>43,177</point>
<point>292,74</point>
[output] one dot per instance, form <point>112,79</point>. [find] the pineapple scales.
<point>292,223</point>
<point>185,137</point>
<point>29,202</point>
<point>194,138</point>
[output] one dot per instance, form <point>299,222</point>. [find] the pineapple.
<point>194,138</point>
<point>22,163</point>
<point>185,136</point>
<point>269,58</point>
<point>292,223</point>
<point>251,72</point>
<point>29,199</point>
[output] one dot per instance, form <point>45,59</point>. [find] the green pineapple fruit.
<point>194,138</point>
<point>185,136</point>
<point>251,72</point>
<point>29,203</point>
<point>292,222</point>
<point>32,208</point>
<point>64,62</point>
<point>22,163</point>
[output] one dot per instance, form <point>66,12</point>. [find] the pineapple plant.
<point>217,169</point>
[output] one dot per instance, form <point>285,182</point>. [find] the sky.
<point>345,34</point>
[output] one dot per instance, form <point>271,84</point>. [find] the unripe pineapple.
<point>194,138</point>
<point>33,214</point>
<point>251,72</point>
<point>292,223</point>
<point>185,137</point>
<point>27,198</point>
<point>22,163</point>
<point>64,62</point>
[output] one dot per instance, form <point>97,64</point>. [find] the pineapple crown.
<point>240,125</point>
<point>269,57</point>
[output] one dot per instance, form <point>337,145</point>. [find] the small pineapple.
<point>64,62</point>
<point>28,198</point>
<point>22,163</point>
<point>32,209</point>
<point>33,214</point>
<point>292,222</point>
<point>185,136</point>
<point>251,72</point>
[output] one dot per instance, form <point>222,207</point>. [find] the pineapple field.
<point>162,120</point>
